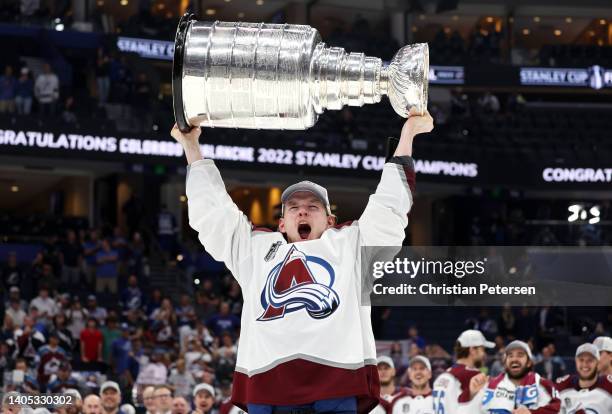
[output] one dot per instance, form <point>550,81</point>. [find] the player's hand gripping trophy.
<point>281,76</point>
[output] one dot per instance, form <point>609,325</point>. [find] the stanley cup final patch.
<point>272,252</point>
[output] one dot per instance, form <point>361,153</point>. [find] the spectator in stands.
<point>24,93</point>
<point>163,324</point>
<point>413,335</point>
<point>136,252</point>
<point>154,302</point>
<point>64,380</point>
<point>184,309</point>
<point>91,246</point>
<point>526,326</point>
<point>107,271</point>
<point>110,393</point>
<point>75,406</point>
<point>132,297</point>
<point>68,115</point>
<point>166,230</point>
<point>180,405</point>
<point>149,400</point>
<point>77,317</point>
<point>225,357</point>
<point>50,357</point>
<point>224,320</point>
<point>163,399</point>
<point>120,244</point>
<point>46,90</point>
<point>8,85</point>
<point>489,103</point>
<point>8,327</point>
<point>204,398</point>
<point>12,273</point>
<point>181,380</point>
<point>102,76</point>
<point>91,345</point>
<point>507,322</point>
<point>120,354</point>
<point>29,339</point>
<point>207,300</point>
<point>15,312</point>
<point>549,367</point>
<point>97,312</point>
<point>47,278</point>
<point>71,256</point>
<point>120,78</point>
<point>92,404</point>
<point>15,293</point>
<point>63,333</point>
<point>155,371</point>
<point>45,305</point>
<point>22,379</point>
<point>110,333</point>
<point>483,323</point>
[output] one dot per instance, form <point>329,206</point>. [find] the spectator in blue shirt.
<point>107,270</point>
<point>91,247</point>
<point>24,92</point>
<point>224,320</point>
<point>120,351</point>
<point>7,91</point>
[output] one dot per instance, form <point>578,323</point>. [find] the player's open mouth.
<point>304,231</point>
<point>515,366</point>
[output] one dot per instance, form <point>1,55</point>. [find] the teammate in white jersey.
<point>586,392</point>
<point>458,390</point>
<point>604,345</point>
<point>388,387</point>
<point>519,390</point>
<point>417,399</point>
<point>306,340</point>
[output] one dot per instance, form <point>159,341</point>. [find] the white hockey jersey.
<point>593,400</point>
<point>502,396</point>
<point>407,402</point>
<point>304,335</point>
<point>451,391</point>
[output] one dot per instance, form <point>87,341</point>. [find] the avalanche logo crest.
<point>299,282</point>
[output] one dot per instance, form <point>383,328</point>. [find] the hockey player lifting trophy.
<point>306,341</point>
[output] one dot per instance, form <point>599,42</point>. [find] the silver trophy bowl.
<point>282,76</point>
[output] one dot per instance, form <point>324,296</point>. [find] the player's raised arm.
<point>386,215</point>
<point>222,228</point>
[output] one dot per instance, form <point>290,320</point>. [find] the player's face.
<point>479,355</point>
<point>304,218</point>
<point>419,374</point>
<point>204,401</point>
<point>605,361</point>
<point>517,363</point>
<point>586,366</point>
<point>385,374</point>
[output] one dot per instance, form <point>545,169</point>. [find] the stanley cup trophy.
<point>282,76</point>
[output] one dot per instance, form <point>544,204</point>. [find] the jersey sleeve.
<point>222,228</point>
<point>553,405</point>
<point>386,214</point>
<point>445,395</point>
